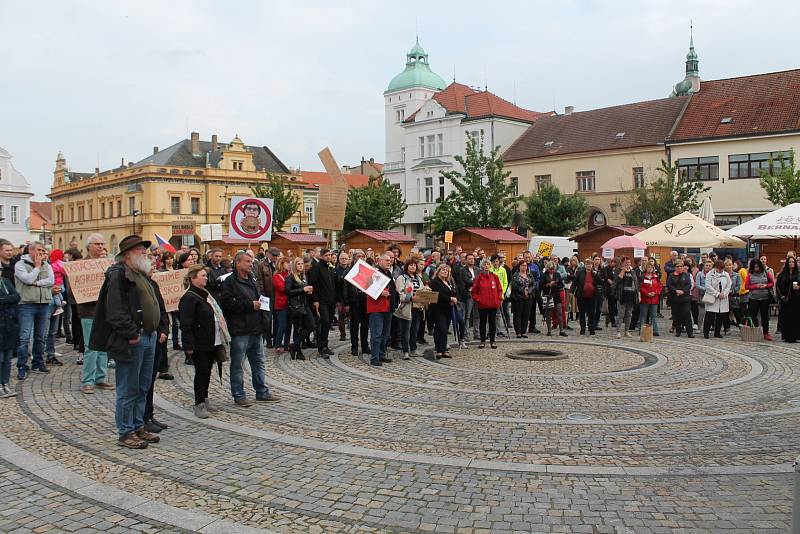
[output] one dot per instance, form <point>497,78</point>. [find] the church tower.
<point>407,92</point>
<point>691,81</point>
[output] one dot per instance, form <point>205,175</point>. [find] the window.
<point>431,145</point>
<point>585,180</point>
<point>80,213</point>
<point>542,181</point>
<point>515,184</point>
<point>399,115</point>
<point>638,177</point>
<point>428,189</point>
<point>238,165</point>
<point>14,214</point>
<point>119,208</point>
<point>309,209</point>
<point>175,205</point>
<point>751,165</point>
<point>440,144</point>
<point>422,147</point>
<point>704,169</point>
<point>195,206</point>
<point>2,213</point>
<point>72,214</point>
<point>476,136</point>
<point>88,211</point>
<point>102,210</point>
<point>441,188</point>
<point>132,205</point>
<point>402,153</point>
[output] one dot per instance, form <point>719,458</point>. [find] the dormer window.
<point>548,144</point>
<point>726,120</point>
<point>620,135</point>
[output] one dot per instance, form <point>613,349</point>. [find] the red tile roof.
<point>460,98</point>
<point>495,234</point>
<point>380,235</point>
<point>642,124</point>
<point>758,104</point>
<point>311,239</point>
<point>41,213</point>
<point>319,178</point>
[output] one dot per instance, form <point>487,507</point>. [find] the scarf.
<point>220,318</point>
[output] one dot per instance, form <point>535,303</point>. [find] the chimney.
<point>214,143</point>
<point>372,160</point>
<point>97,170</point>
<point>568,110</point>
<point>195,144</point>
<point>155,150</point>
<point>130,164</point>
<point>122,162</point>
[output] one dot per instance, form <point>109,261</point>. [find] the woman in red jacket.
<point>487,295</point>
<point>649,290</point>
<point>283,328</point>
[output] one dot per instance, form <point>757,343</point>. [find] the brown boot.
<point>105,385</point>
<point>146,436</point>
<point>131,441</point>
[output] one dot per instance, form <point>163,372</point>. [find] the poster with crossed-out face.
<point>251,219</point>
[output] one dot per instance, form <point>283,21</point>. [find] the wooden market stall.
<point>285,241</point>
<point>592,241</point>
<point>491,240</point>
<point>775,250</point>
<point>377,240</point>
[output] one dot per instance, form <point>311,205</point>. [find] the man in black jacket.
<point>264,271</point>
<point>242,309</point>
<point>354,303</point>
<point>321,277</point>
<point>126,323</point>
<point>215,270</point>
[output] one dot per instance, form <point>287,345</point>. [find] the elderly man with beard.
<point>125,327</point>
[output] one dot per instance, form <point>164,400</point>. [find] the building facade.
<point>40,222</point>
<point>15,195</point>
<point>426,128</point>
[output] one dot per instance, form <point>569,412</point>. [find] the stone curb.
<point>103,493</point>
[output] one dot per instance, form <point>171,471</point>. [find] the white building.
<point>426,127</point>
<point>15,195</point>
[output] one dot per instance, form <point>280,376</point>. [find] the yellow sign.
<point>448,237</point>
<point>545,249</point>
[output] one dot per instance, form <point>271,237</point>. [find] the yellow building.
<point>602,154</point>
<point>170,193</point>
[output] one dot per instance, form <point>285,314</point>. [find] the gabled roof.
<point>310,239</point>
<point>380,235</point>
<point>180,155</point>
<point>462,99</point>
<point>496,234</point>
<point>747,105</point>
<point>627,126</point>
<point>41,213</point>
<point>316,178</point>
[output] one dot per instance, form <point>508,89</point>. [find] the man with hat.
<point>125,327</point>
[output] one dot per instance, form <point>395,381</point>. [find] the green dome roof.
<point>417,73</point>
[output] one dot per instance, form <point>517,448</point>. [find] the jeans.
<point>95,363</point>
<point>625,310</point>
<point>158,355</point>
<point>469,318</point>
<point>267,315</point>
<point>460,323</point>
<point>68,321</point>
<point>50,340</point>
<point>647,315</point>
<point>488,315</point>
<point>760,307</point>
<point>133,381</point>
<point>33,321</point>
<point>417,316</point>
<point>251,348</point>
<point>282,330</point>
<point>174,319</point>
<point>404,325</point>
<point>586,313</point>
<point>5,365</point>
<point>598,309</point>
<point>380,326</point>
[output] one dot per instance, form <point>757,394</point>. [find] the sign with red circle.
<point>251,219</point>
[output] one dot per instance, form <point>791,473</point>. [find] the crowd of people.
<point>236,308</point>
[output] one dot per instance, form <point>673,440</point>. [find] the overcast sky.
<point>102,80</point>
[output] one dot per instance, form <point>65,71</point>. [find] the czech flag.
<point>164,244</point>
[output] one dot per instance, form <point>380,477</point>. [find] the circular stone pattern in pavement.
<point>536,355</point>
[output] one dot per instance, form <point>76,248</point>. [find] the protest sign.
<point>170,283</point>
<point>545,249</point>
<point>86,278</point>
<point>426,296</point>
<point>367,278</point>
<point>251,219</point>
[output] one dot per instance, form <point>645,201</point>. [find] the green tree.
<point>666,196</point>
<point>782,188</point>
<point>376,206</point>
<point>549,212</point>
<point>286,201</point>
<point>481,196</point>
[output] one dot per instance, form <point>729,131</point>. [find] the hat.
<point>132,241</point>
<point>56,255</point>
<point>275,251</point>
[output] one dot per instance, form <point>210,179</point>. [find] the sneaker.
<point>42,370</point>
<point>212,407</point>
<point>152,427</point>
<point>87,390</point>
<point>200,411</point>
<point>767,337</point>
<point>563,334</point>
<point>159,423</point>
<point>406,356</point>
<point>112,364</point>
<point>58,311</point>
<point>462,345</point>
<point>269,398</point>
<point>619,335</point>
<point>6,393</point>
<point>79,359</point>
<point>244,402</point>
<point>376,364</point>
<point>166,376</point>
<point>188,360</point>
<point>146,436</point>
<point>354,352</point>
<point>54,361</point>
<point>328,352</point>
<point>131,441</point>
<point>493,345</point>
<point>627,334</point>
<point>386,360</point>
<point>105,385</point>
<point>22,373</point>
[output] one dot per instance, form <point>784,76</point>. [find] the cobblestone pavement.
<point>673,436</point>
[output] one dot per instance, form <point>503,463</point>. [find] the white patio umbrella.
<point>781,223</point>
<point>707,211</point>
<point>688,231</point>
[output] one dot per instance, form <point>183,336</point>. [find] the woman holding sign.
<point>205,335</point>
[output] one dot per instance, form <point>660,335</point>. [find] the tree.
<point>668,195</point>
<point>481,195</point>
<point>783,188</point>
<point>286,202</point>
<point>376,206</point>
<point>549,212</point>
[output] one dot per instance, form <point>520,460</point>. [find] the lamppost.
<point>134,213</point>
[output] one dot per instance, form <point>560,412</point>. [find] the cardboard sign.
<point>368,279</point>
<point>545,249</point>
<point>86,278</point>
<point>170,283</point>
<point>426,296</point>
<point>448,237</point>
<point>251,219</point>
<point>331,198</point>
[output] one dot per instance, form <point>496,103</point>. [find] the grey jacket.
<point>33,284</point>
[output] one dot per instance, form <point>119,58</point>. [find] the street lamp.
<point>134,213</point>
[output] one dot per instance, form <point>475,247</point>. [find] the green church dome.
<point>417,73</point>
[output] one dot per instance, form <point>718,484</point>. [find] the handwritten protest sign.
<point>426,296</point>
<point>86,278</point>
<point>171,285</point>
